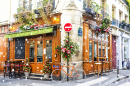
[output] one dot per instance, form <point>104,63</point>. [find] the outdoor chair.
<point>18,68</point>
<point>97,68</point>
<point>7,69</point>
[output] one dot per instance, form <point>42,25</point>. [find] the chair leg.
<point>98,70</point>
<point>4,71</point>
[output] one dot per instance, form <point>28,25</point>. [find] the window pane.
<point>49,49</point>
<point>90,50</point>
<point>99,36</point>
<point>2,30</point>
<point>103,49</point>
<point>94,35</point>
<point>126,49</point>
<point>90,33</point>
<point>95,51</point>
<point>39,51</point>
<point>99,49</point>
<point>107,52</point>
<point>102,36</point>
<point>31,56</point>
<point>106,37</point>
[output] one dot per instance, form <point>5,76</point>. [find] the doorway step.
<point>35,76</point>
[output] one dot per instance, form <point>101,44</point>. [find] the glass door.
<point>36,55</point>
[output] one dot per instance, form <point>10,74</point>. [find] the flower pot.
<point>26,74</point>
<point>46,76</point>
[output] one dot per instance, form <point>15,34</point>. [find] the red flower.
<point>99,30</point>
<point>66,41</point>
<point>65,56</point>
<point>71,47</point>
<point>57,50</point>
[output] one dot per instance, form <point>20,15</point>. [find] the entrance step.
<point>35,76</point>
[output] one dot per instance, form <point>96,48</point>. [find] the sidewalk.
<point>91,81</point>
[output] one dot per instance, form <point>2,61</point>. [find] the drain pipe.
<point>118,69</point>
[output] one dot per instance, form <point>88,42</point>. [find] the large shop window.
<point>99,49</point>
<point>106,37</point>
<point>49,49</point>
<point>90,50</point>
<point>95,51</point>
<point>102,36</point>
<point>126,48</point>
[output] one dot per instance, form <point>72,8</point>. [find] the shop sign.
<point>80,31</point>
<point>67,27</point>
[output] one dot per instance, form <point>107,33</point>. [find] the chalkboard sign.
<point>20,48</point>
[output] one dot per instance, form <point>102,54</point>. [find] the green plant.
<point>105,24</point>
<point>26,66</point>
<point>68,49</point>
<point>47,67</point>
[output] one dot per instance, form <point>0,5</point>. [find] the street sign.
<point>67,27</point>
<point>80,31</point>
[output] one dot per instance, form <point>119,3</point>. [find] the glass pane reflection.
<point>31,51</point>
<point>90,50</point>
<point>99,49</point>
<point>39,51</point>
<point>49,49</point>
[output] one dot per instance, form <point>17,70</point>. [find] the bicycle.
<point>79,75</point>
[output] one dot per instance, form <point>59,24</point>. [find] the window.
<point>49,49</point>
<point>103,49</point>
<point>31,51</point>
<point>90,33</point>
<point>106,52</point>
<point>95,51</point>
<point>126,48</point>
<point>99,35</point>
<point>39,51</point>
<point>94,35</point>
<point>102,36</point>
<point>2,30</point>
<point>99,49</point>
<point>106,37</point>
<point>90,50</point>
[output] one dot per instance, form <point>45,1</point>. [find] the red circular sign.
<point>67,27</point>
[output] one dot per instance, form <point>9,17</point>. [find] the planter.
<point>46,76</point>
<point>128,25</point>
<point>26,74</point>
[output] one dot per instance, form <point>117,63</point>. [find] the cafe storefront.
<point>36,45</point>
<point>97,47</point>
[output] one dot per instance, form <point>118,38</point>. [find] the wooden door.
<point>114,52</point>
<point>36,55</point>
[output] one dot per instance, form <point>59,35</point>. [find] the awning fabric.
<point>30,32</point>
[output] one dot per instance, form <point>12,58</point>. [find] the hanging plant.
<point>68,49</point>
<point>105,25</point>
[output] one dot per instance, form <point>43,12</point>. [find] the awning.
<point>30,32</point>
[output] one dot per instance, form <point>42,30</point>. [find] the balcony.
<point>124,26</point>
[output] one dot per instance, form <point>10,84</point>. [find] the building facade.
<point>93,46</point>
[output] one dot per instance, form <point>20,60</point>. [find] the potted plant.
<point>26,67</point>
<point>47,69</point>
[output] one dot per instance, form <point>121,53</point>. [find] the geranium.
<point>26,66</point>
<point>68,49</point>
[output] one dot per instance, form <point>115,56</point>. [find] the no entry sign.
<point>67,27</point>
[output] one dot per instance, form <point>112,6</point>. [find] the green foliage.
<point>129,9</point>
<point>46,67</point>
<point>68,49</point>
<point>105,24</point>
<point>26,66</point>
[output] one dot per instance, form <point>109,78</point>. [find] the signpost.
<point>68,28</point>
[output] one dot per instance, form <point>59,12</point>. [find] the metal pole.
<point>118,69</point>
<point>68,61</point>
